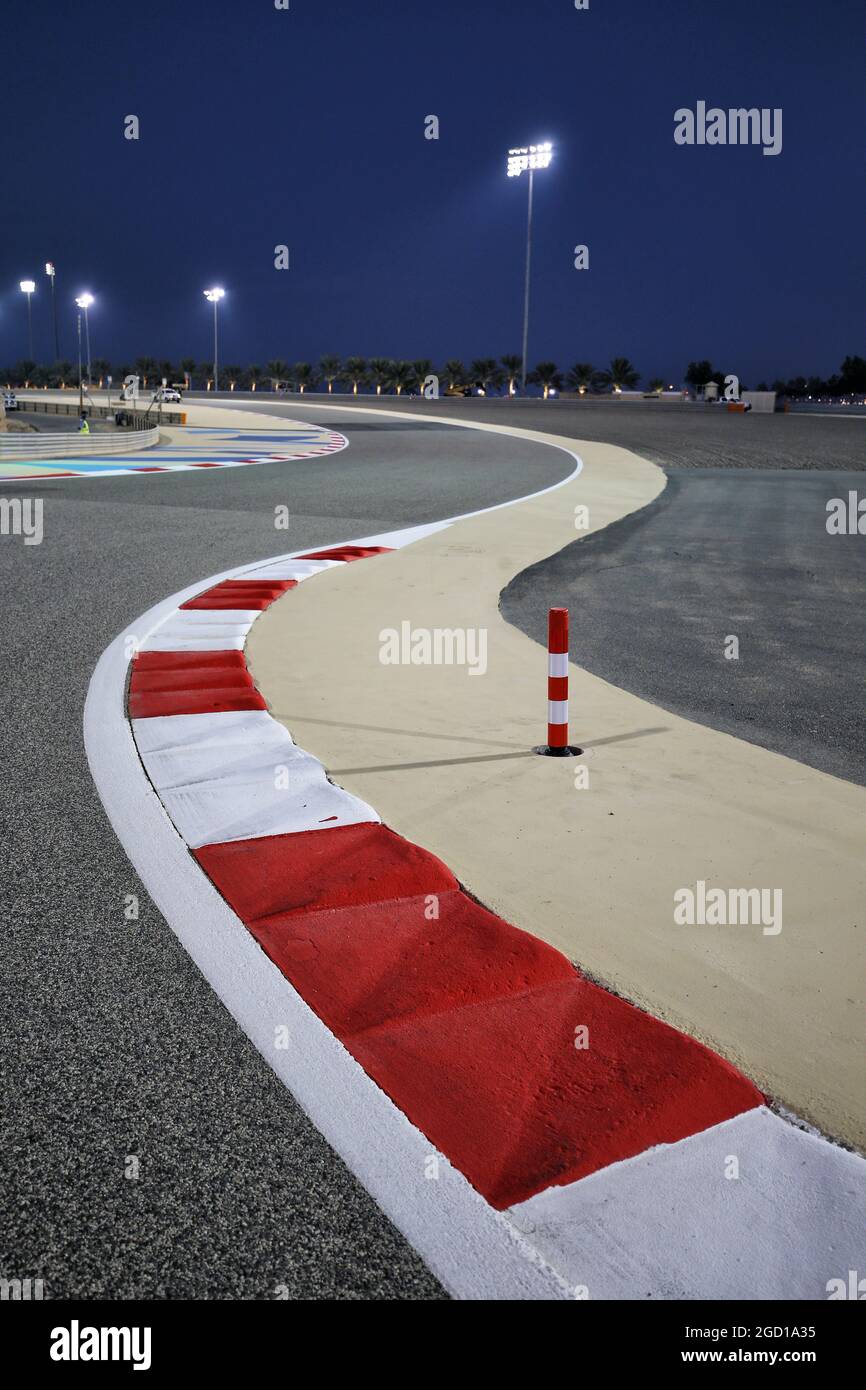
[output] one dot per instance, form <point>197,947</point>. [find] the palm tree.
<point>302,373</point>
<point>455,373</point>
<point>657,384</point>
<point>512,365</point>
<point>355,371</point>
<point>102,368</point>
<point>277,371</point>
<point>580,377</point>
<point>205,371</point>
<point>145,366</point>
<point>486,372</point>
<point>235,375</point>
<point>255,375</point>
<point>62,372</point>
<point>329,368</point>
<point>401,375</point>
<point>187,366</point>
<point>166,369</point>
<point>621,374</point>
<point>699,373</point>
<point>380,371</point>
<point>547,376</point>
<point>422,368</point>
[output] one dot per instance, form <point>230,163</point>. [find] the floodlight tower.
<point>27,287</point>
<point>215,295</point>
<point>84,302</point>
<point>52,275</point>
<point>528,158</point>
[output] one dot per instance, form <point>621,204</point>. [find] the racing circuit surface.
<point>117,1044</point>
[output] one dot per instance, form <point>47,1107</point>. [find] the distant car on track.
<point>10,401</point>
<point>168,393</point>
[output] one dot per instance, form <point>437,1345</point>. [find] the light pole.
<point>27,287</point>
<point>84,302</point>
<point>528,157</point>
<point>50,272</point>
<point>80,382</point>
<point>214,296</point>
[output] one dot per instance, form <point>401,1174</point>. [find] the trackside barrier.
<point>34,446</point>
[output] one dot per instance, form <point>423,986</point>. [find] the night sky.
<point>306,127</point>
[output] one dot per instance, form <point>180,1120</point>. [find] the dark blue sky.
<point>306,127</point>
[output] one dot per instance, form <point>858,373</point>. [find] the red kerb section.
<point>164,683</point>
<point>347,552</point>
<point>241,593</point>
<point>523,1073</point>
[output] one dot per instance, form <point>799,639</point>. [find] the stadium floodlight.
<point>214,296</point>
<point>528,157</point>
<point>523,159</point>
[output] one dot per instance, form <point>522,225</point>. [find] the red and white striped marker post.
<point>557,685</point>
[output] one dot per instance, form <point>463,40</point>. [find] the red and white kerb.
<point>557,680</point>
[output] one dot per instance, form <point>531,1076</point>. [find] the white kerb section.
<point>239,776</point>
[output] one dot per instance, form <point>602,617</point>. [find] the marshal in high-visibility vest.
<point>84,427</point>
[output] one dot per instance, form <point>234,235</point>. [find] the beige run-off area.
<point>444,757</point>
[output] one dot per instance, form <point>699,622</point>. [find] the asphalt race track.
<point>115,1044</point>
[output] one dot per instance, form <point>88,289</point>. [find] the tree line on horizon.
<point>378,374</point>
<point>383,375</point>
<point>850,380</point>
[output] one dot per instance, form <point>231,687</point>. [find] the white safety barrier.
<point>37,446</point>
